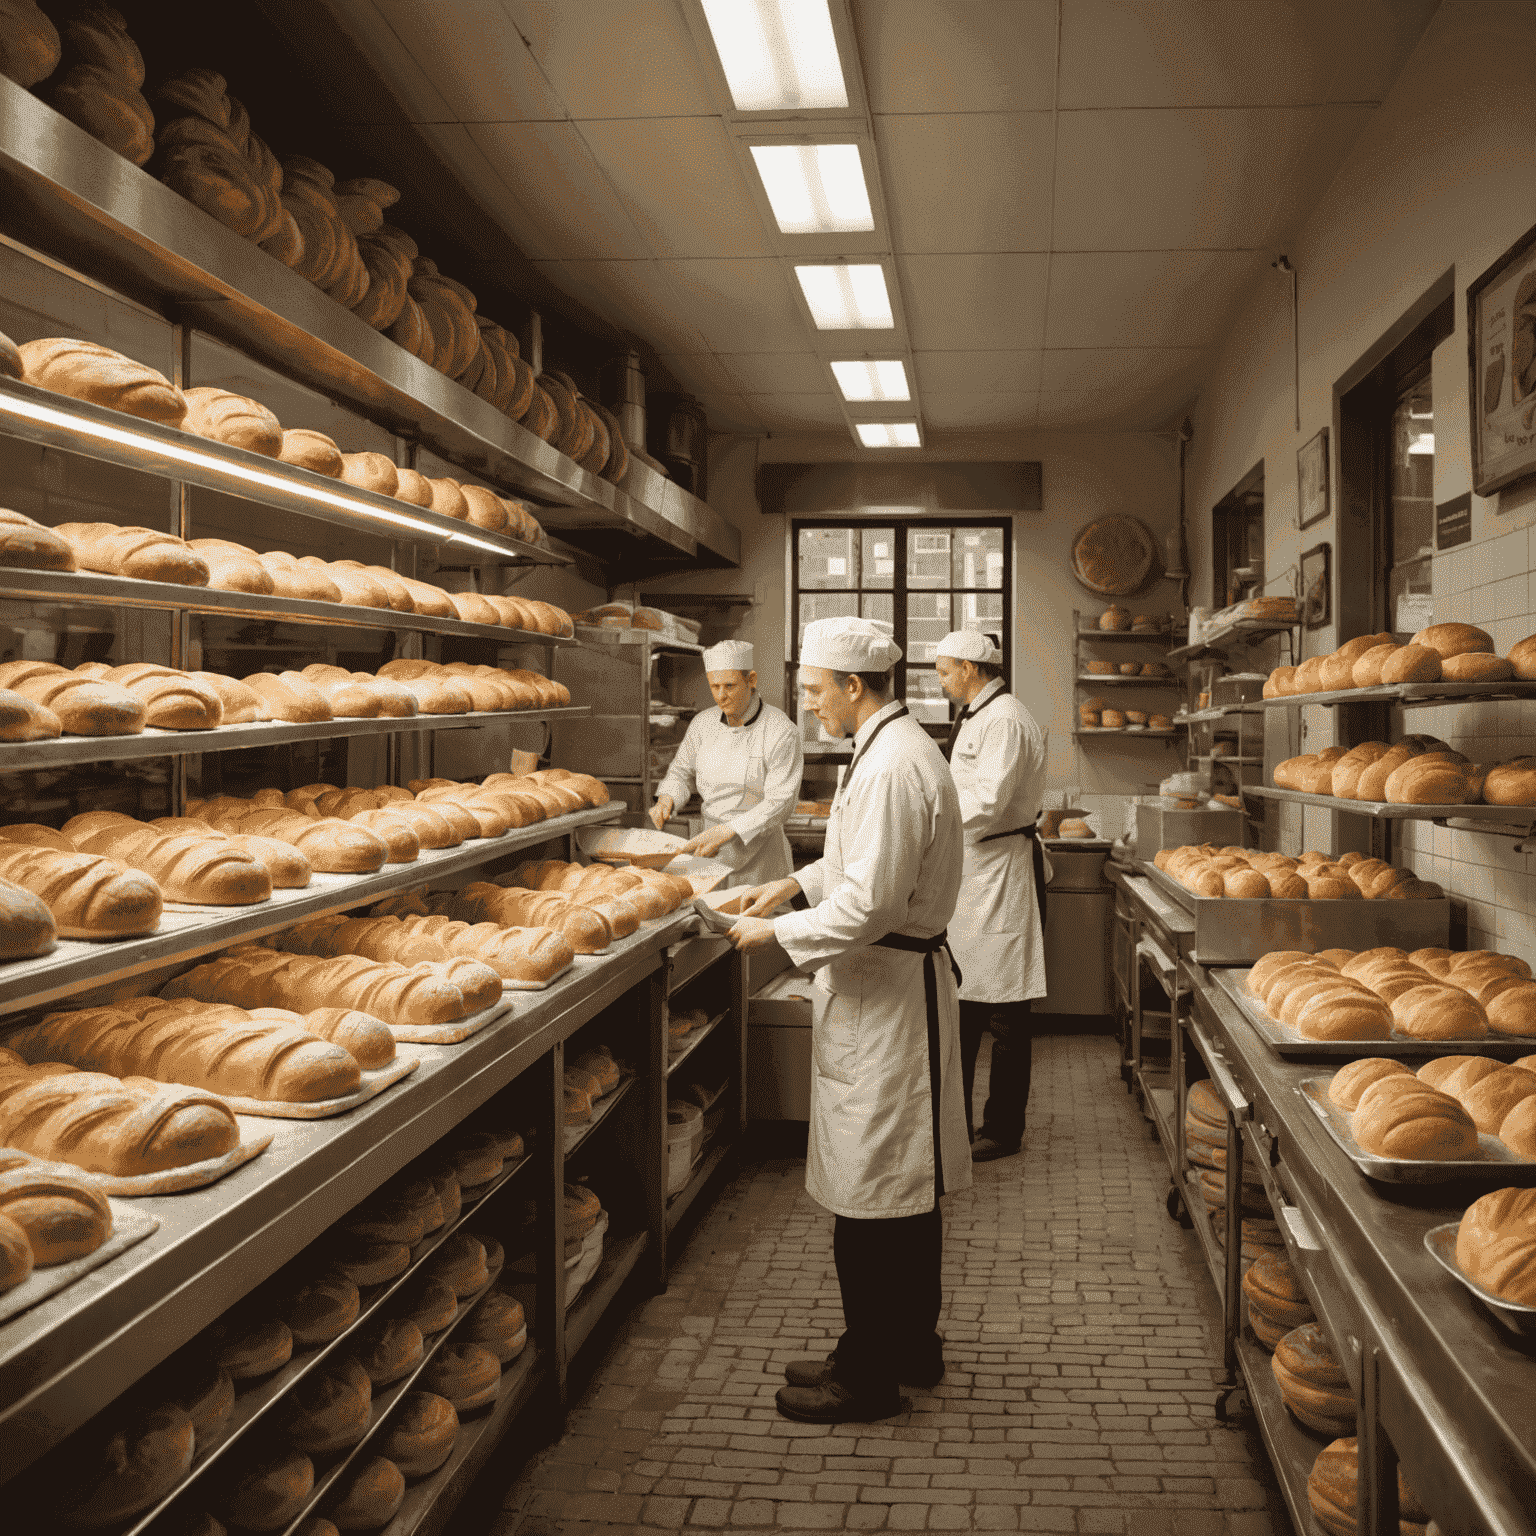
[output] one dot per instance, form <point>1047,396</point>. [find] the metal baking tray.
<point>1492,1161</point>
<point>1230,931</point>
<point>1440,1243</point>
<point>1291,1042</point>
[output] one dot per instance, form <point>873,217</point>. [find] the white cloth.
<point>748,775</point>
<point>846,644</point>
<point>999,770</point>
<point>729,656</point>
<point>967,645</point>
<point>892,865</point>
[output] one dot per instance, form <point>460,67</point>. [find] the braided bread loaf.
<point>221,1049</point>
<point>90,897</point>
<point>106,1125</point>
<point>187,866</point>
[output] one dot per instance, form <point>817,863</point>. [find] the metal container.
<point>1078,975</point>
<point>623,391</point>
<point>1158,827</point>
<point>1440,1244</point>
<point>1237,688</point>
<point>1077,864</point>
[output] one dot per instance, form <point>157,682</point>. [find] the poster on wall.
<point>1501,346</point>
<point>1312,481</point>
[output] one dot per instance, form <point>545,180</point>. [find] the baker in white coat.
<point>887,1132</point>
<point>746,761</point>
<point>996,753</point>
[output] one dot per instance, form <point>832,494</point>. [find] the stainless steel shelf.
<point>590,634</point>
<point>715,1154</point>
<point>694,1041</point>
<point>26,756</point>
<point>1412,695</point>
<point>1244,632</point>
<point>1292,1447</point>
<point>76,426</point>
<point>597,1295</point>
<point>65,1359</point>
<point>67,587</point>
<point>1114,680</point>
<point>1220,712</point>
<point>1502,815</point>
<point>76,964</point>
<point>86,205</point>
<point>604,1107</point>
<point>1157,637</point>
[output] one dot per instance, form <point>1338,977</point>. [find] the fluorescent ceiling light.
<point>888,434</point>
<point>873,381</point>
<point>847,298</point>
<point>777,54</point>
<point>815,189</point>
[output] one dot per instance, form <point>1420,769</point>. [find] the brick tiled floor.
<point>1081,1339</point>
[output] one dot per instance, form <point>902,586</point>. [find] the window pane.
<point>979,610</point>
<point>976,556</point>
<point>1410,586</point>
<point>878,605</point>
<point>926,699</point>
<point>879,549</point>
<point>829,557</point>
<point>823,607</point>
<point>927,557</point>
<point>927,624</point>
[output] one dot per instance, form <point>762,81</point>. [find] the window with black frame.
<point>924,577</point>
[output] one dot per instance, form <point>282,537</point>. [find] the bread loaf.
<point>230,418</point>
<point>233,568</point>
<point>1397,1119</point>
<point>388,1349</point>
<point>130,1467</point>
<point>370,472</point>
<point>140,553</point>
<point>367,1496</point>
<point>63,1216</point>
<point>266,1490</point>
<point>1476,667</point>
<point>86,371</point>
<point>15,1255</point>
<point>1351,1081</point>
<point>328,1410</point>
<point>173,700</point>
<point>1312,1383</point>
<point>206,871</point>
<point>28,544</point>
<point>460,1263</point>
<point>1332,1491</point>
<point>1494,1095</point>
<point>311,450</point>
<point>1511,783</point>
<point>467,1375</point>
<point>1411,664</point>
<point>323,1308</point>
<point>1448,640</point>
<point>420,1433</point>
<point>88,896</point>
<point>1428,780</point>
<point>1367,672</point>
<point>248,1349</point>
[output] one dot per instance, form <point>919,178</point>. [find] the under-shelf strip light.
<point>47,415</point>
<point>777,54</point>
<point>847,296</point>
<point>873,380</point>
<point>815,189</point>
<point>888,434</point>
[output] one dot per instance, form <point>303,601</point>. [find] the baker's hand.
<point>758,899</point>
<point>661,812</point>
<point>707,844</point>
<point>751,933</point>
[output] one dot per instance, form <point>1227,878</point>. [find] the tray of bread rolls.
<point>1321,1014</point>
<point>1479,1251</point>
<point>1241,930</point>
<point>1407,1131</point>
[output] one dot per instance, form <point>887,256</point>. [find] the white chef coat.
<point>999,769</point>
<point>748,775</point>
<point>892,865</point>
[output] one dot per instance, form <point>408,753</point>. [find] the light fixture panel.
<point>777,55</point>
<point>866,381</point>
<point>888,434</point>
<point>847,296</point>
<point>815,189</point>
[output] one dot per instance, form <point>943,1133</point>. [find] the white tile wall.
<point>1491,583</point>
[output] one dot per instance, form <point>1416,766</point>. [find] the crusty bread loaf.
<point>527,955</point>
<point>367,1496</point>
<point>84,706</point>
<point>331,845</point>
<point>63,1216</point>
<point>585,929</point>
<point>1412,664</point>
<point>311,450</point>
<point>1436,1011</point>
<point>132,1465</point>
<point>468,1375</point>
<point>1494,1095</point>
<point>222,1050</point>
<point>1522,656</point>
<point>1496,1244</point>
<point>233,568</point>
<point>15,1255</point>
<point>141,553</point>
<point>1511,783</point>
<point>85,370</point>
<point>329,1409</point>
<point>370,472</point>
<point>389,1349</point>
<point>1367,671</point>
<point>1332,1491</point>
<point>420,1433</point>
<point>266,1488</point>
<point>413,487</point>
<point>288,697</point>
<point>229,418</point>
<point>1448,640</point>
<point>1351,1081</point>
<point>242,705</point>
<point>27,927</point>
<point>1476,667</point>
<point>1430,779</point>
<point>28,544</point>
<point>207,871</point>
<point>173,700</point>
<point>1398,1119</point>
<point>88,896</point>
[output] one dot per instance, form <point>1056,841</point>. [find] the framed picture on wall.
<point>1316,586</point>
<point>1501,351</point>
<point>1312,481</point>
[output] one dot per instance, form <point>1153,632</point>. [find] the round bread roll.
<point>1448,640</point>
<point>1112,720</point>
<point>1522,656</point>
<point>1282,681</point>
<point>420,1434</point>
<point>1272,1287</point>
<point>323,1309</point>
<point>1309,676</point>
<point>1414,1122</point>
<point>1490,1100</point>
<point>1511,783</point>
<point>248,1350</point>
<point>368,1496</point>
<point>207,1397</point>
<point>1513,1011</point>
<point>475,1158</point>
<point>498,1323</point>
<point>1518,1128</point>
<point>1438,1073</point>
<point>1327,887</point>
<point>468,1375</point>
<point>370,472</point>
<point>460,1263</point>
<point>413,487</point>
<point>1411,664</point>
<point>1116,618</point>
<point>312,451</point>
<point>267,1492</point>
<point>133,1467</point>
<point>369,1263</point>
<point>1366,672</point>
<point>1313,1385</point>
<point>1439,1012</point>
<point>388,1349</point>
<point>1496,1244</point>
<point>448,498</point>
<point>1129,669</point>
<point>1476,667</point>
<point>1349,1082</point>
<point>329,1409</point>
<point>433,1306</point>
<point>1245,884</point>
<point>1333,1492</point>
<point>1344,1016</point>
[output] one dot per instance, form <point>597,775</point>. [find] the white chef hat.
<point>729,656</point>
<point>846,644</point>
<point>968,645</point>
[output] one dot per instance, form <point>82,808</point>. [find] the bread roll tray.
<point>1235,931</point>
<point>1493,1162</point>
<point>1291,1042</point>
<point>129,1226</point>
<point>1440,1244</point>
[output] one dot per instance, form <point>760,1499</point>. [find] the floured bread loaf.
<point>140,553</point>
<point>85,370</point>
<point>230,418</point>
<point>311,450</point>
<point>30,545</point>
<point>62,1216</point>
<point>87,895</point>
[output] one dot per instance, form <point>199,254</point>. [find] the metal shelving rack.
<point>1083,680</point>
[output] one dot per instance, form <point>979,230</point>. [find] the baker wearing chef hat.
<point>746,762</point>
<point>996,753</point>
<point>887,1133</point>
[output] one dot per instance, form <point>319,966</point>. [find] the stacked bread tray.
<point>1440,1244</point>
<point>1229,932</point>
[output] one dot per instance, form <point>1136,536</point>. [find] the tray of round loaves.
<point>1489,1253</point>
<point>1340,1002</point>
<point>1398,1127</point>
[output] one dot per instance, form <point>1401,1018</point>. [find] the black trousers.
<point>889,1271</point>
<point>1008,1094</point>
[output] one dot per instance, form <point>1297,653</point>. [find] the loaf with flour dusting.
<point>88,896</point>
<point>187,866</point>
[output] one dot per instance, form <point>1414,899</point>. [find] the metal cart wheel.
<point>1232,1404</point>
<point>1177,1210</point>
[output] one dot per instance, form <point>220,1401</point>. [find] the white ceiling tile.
<point>740,306</point>
<point>730,413</point>
<point>682,184</point>
<point>957,55</point>
<point>636,295</point>
<point>795,373</point>
<point>1127,368</point>
<point>1146,298</point>
<point>1327,138</point>
<point>978,372</point>
<point>979,410</point>
<point>475,58</point>
<point>1096,411</point>
<point>781,410</point>
<point>981,302</point>
<point>402,74</point>
<point>569,207</point>
<point>1175,180</point>
<point>1182,53</point>
<point>969,181</point>
<point>616,58</point>
<point>699,371</point>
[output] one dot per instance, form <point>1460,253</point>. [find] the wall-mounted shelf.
<point>66,587</point>
<point>591,635</point>
<point>1505,816</point>
<point>1243,632</point>
<point>1123,732</point>
<point>1116,679</point>
<point>1141,636</point>
<point>1412,695</point>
